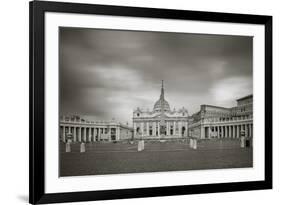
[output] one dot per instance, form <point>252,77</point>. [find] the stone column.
<point>147,128</point>
<point>179,125</point>
<point>98,133</point>
<point>101,131</point>
<point>90,134</point>
<point>94,134</point>
<point>248,127</point>
<point>174,130</point>
<point>117,131</point>
<point>246,130</point>
<point>158,128</point>
<point>153,129</point>
<point>141,128</point>
<point>250,130</point>
<point>167,128</point>
<point>226,131</point>
<point>63,134</point>
<point>186,129</point>
<point>74,134</point>
<point>108,133</point>
<point>135,129</point>
<point>240,129</point>
<point>202,132</point>
<point>209,132</point>
<point>237,131</point>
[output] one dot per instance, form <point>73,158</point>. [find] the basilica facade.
<point>161,122</point>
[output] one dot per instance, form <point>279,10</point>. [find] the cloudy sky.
<point>106,74</point>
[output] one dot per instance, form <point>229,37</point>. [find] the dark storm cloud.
<point>108,73</point>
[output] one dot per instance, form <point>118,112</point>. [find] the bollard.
<point>82,147</point>
<point>191,143</point>
<point>195,144</point>
<point>140,145</point>
<point>242,144</point>
<point>67,147</point>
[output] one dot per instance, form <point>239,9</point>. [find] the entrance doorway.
<point>183,131</point>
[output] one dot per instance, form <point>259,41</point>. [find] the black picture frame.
<point>37,9</point>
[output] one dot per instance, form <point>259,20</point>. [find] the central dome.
<point>161,104</point>
<point>157,106</point>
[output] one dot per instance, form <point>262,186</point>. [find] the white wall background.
<point>14,100</point>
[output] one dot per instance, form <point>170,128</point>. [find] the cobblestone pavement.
<point>122,157</point>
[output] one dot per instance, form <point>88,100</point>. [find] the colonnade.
<point>88,134</point>
<point>228,131</point>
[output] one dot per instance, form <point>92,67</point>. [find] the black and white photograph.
<point>148,101</point>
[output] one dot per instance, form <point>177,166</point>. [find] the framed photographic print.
<point>130,102</point>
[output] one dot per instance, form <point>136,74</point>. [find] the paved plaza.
<point>123,157</point>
